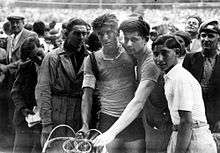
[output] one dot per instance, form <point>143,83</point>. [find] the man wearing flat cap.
<point>205,67</point>
<point>18,35</point>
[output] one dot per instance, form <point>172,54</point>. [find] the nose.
<point>13,24</point>
<point>105,36</point>
<point>82,36</point>
<point>129,43</point>
<point>205,38</point>
<point>159,57</point>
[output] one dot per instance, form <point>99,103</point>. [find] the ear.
<point>178,52</point>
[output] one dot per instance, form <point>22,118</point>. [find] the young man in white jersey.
<point>191,132</point>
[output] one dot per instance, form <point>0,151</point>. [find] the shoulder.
<point>193,55</point>
<point>29,33</point>
<point>182,75</point>
<point>149,64</point>
<point>53,55</point>
<point>98,54</point>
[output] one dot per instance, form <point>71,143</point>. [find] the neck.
<point>16,33</point>
<point>210,53</point>
<point>166,71</point>
<point>140,54</point>
<point>193,35</point>
<point>111,52</point>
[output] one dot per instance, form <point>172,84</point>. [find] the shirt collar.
<point>172,72</point>
<point>19,34</point>
<point>217,53</point>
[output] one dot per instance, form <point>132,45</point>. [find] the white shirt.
<point>195,46</point>
<point>16,38</point>
<point>45,45</point>
<point>183,92</point>
<point>14,41</point>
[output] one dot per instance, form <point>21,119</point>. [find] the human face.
<point>108,36</point>
<point>77,36</point>
<point>192,25</point>
<point>164,57</point>
<point>16,26</point>
<point>209,42</point>
<point>80,31</point>
<point>134,43</point>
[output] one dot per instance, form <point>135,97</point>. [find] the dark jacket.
<point>58,84</point>
<point>13,55</point>
<point>194,63</point>
<point>23,89</point>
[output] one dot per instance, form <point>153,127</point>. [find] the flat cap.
<point>16,16</point>
<point>210,26</point>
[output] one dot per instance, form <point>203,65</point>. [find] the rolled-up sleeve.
<point>89,79</point>
<point>43,89</point>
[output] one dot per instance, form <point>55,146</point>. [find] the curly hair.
<point>100,21</point>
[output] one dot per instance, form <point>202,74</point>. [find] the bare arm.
<point>86,106</point>
<point>129,114</point>
<point>184,131</point>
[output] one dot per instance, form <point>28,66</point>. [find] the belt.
<point>195,125</point>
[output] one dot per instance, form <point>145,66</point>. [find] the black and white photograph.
<point>109,76</point>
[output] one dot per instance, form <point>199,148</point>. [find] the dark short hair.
<point>196,17</point>
<point>72,22</point>
<point>28,46</point>
<point>28,26</point>
<point>100,21</point>
<point>185,36</point>
<point>171,42</point>
<point>39,27</point>
<point>139,25</point>
<point>7,27</point>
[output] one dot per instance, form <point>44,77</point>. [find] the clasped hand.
<point>104,139</point>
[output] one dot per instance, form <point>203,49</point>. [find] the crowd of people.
<point>148,88</point>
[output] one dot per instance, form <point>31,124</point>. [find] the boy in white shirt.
<point>191,132</point>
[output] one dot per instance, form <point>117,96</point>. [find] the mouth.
<point>161,66</point>
<point>190,28</point>
<point>206,44</point>
<point>107,43</point>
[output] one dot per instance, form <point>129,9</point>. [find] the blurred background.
<point>153,11</point>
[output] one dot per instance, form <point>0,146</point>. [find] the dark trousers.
<point>157,139</point>
<point>130,140</point>
<point>27,140</point>
<point>6,126</point>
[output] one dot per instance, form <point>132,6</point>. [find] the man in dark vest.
<point>205,67</point>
